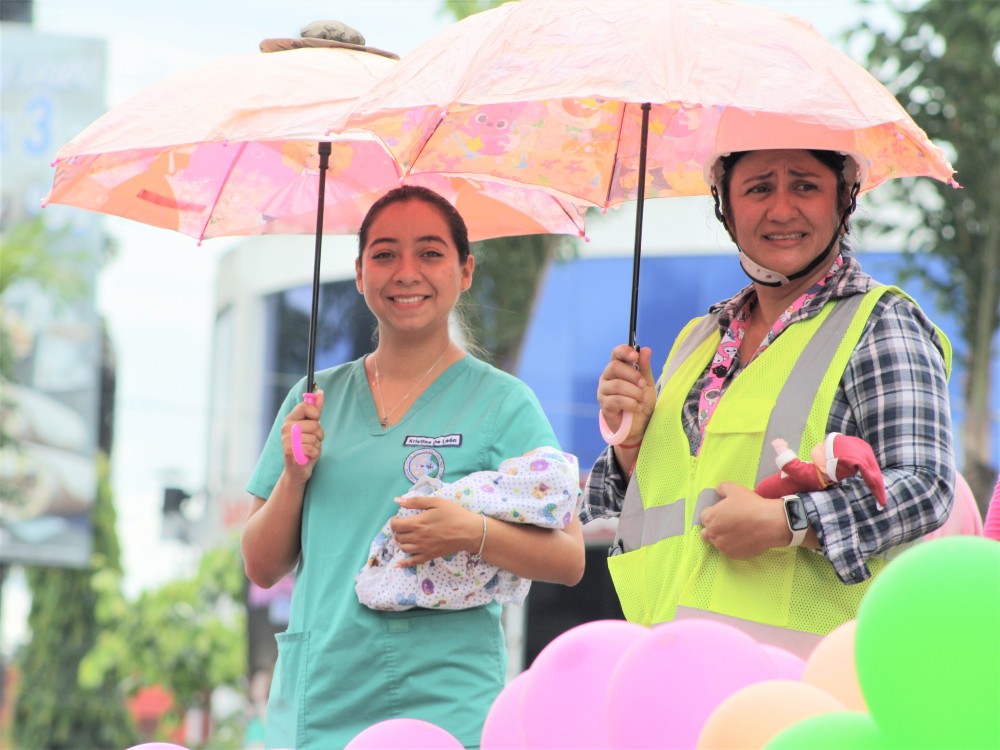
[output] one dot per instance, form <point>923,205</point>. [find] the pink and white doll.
<point>539,488</point>
<point>835,459</point>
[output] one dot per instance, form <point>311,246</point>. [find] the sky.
<point>157,294</point>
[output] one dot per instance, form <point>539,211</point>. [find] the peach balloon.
<point>831,666</point>
<point>753,716</point>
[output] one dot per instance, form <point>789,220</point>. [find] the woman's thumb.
<point>645,364</point>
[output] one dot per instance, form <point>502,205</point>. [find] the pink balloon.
<point>787,666</point>
<point>568,674</point>
<point>965,518</point>
<point>991,526</point>
<point>502,728</point>
<point>404,734</point>
<point>666,685</point>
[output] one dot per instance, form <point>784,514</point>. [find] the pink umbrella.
<point>240,146</point>
<point>606,101</point>
<point>232,148</point>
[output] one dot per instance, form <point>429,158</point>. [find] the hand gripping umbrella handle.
<point>300,457</point>
<point>615,438</point>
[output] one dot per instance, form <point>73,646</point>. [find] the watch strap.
<point>798,536</point>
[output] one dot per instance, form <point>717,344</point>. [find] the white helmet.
<point>855,167</point>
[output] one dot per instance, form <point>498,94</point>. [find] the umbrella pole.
<point>637,250</point>
<point>618,437</point>
<point>324,163</point>
<point>310,395</point>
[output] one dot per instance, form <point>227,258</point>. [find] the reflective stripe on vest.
<point>788,418</point>
<point>785,392</point>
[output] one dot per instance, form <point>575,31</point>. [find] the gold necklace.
<point>384,419</point>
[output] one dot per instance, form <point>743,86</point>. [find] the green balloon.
<point>927,645</point>
<point>842,730</point>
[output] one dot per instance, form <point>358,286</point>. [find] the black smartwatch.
<point>795,516</point>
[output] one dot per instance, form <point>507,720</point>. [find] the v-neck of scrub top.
<point>429,393</point>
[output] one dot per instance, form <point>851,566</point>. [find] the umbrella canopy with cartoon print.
<point>608,101</point>
<point>240,146</point>
<point>231,148</point>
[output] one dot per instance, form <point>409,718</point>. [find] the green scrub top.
<point>342,666</point>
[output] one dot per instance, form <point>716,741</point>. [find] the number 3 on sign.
<point>38,140</point>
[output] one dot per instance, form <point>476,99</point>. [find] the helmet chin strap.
<point>766,277</point>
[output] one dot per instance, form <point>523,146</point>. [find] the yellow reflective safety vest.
<point>786,392</point>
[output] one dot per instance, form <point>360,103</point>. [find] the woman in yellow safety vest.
<point>812,346</point>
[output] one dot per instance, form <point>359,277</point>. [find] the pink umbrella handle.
<point>615,438</point>
<point>300,457</point>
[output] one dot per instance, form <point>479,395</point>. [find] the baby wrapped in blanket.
<point>538,488</point>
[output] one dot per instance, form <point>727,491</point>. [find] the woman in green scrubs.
<point>417,406</point>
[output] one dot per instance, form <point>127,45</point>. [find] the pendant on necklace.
<point>384,422</point>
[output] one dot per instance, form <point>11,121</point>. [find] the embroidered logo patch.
<point>425,462</point>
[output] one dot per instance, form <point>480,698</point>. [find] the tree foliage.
<point>54,711</point>
<point>460,9</point>
<point>24,257</point>
<point>509,274</point>
<point>943,65</point>
<point>188,636</point>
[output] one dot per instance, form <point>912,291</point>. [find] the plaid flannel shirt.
<point>893,394</point>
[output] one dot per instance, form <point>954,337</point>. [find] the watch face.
<point>796,513</point>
